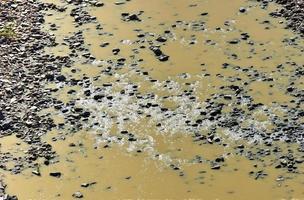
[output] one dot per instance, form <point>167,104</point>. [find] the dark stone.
<point>55,174</point>
<point>161,39</point>
<point>215,166</point>
<point>2,116</point>
<point>86,114</point>
<point>61,78</point>
<point>98,97</point>
<point>235,41</point>
<point>242,9</point>
<point>163,58</point>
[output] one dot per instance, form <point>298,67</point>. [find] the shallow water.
<point>165,162</point>
<point>120,175</point>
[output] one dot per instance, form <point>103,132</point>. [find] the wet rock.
<point>258,175</point>
<point>36,172</point>
<point>6,125</point>
<point>159,54</point>
<point>98,97</point>
<point>161,39</point>
<point>130,17</point>
<point>55,174</point>
<point>98,4</point>
<point>242,10</point>
<point>61,78</point>
<point>235,41</point>
<point>85,185</point>
<point>104,44</point>
<point>115,51</point>
<point>163,58</point>
<point>1,116</point>
<point>81,16</point>
<point>290,12</point>
<point>78,195</point>
<point>86,114</point>
<point>119,2</point>
<point>245,36</point>
<point>215,166</point>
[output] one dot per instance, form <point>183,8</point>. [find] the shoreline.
<point>25,69</point>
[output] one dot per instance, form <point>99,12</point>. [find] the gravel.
<point>25,69</point>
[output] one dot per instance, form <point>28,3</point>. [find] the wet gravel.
<point>25,69</point>
<point>293,12</point>
<point>85,112</point>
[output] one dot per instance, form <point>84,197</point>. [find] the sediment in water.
<point>25,70</point>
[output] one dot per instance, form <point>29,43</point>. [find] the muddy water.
<point>120,175</point>
<point>166,162</point>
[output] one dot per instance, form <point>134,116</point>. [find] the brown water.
<point>120,172</point>
<point>133,176</point>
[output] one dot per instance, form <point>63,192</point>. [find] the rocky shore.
<point>293,12</point>
<point>25,69</point>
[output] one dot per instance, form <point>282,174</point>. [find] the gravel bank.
<point>24,70</point>
<point>293,12</point>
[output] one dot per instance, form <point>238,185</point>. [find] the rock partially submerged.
<point>4,196</point>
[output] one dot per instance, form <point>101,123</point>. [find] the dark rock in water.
<point>36,172</point>
<point>50,77</point>
<point>161,39</point>
<point>85,185</point>
<point>86,114</point>
<point>72,145</point>
<point>156,50</point>
<point>1,116</point>
<point>235,41</point>
<point>116,51</point>
<point>61,78</point>
<point>131,139</point>
<point>290,89</point>
<point>159,54</point>
<point>133,17</point>
<point>242,9</point>
<point>220,159</point>
<point>244,36</point>
<point>215,166</point>
<point>7,125</point>
<point>130,17</point>
<point>163,57</point>
<point>119,3</point>
<point>104,44</point>
<point>259,175</point>
<point>98,4</point>
<point>55,174</point>
<point>87,93</point>
<point>98,97</point>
